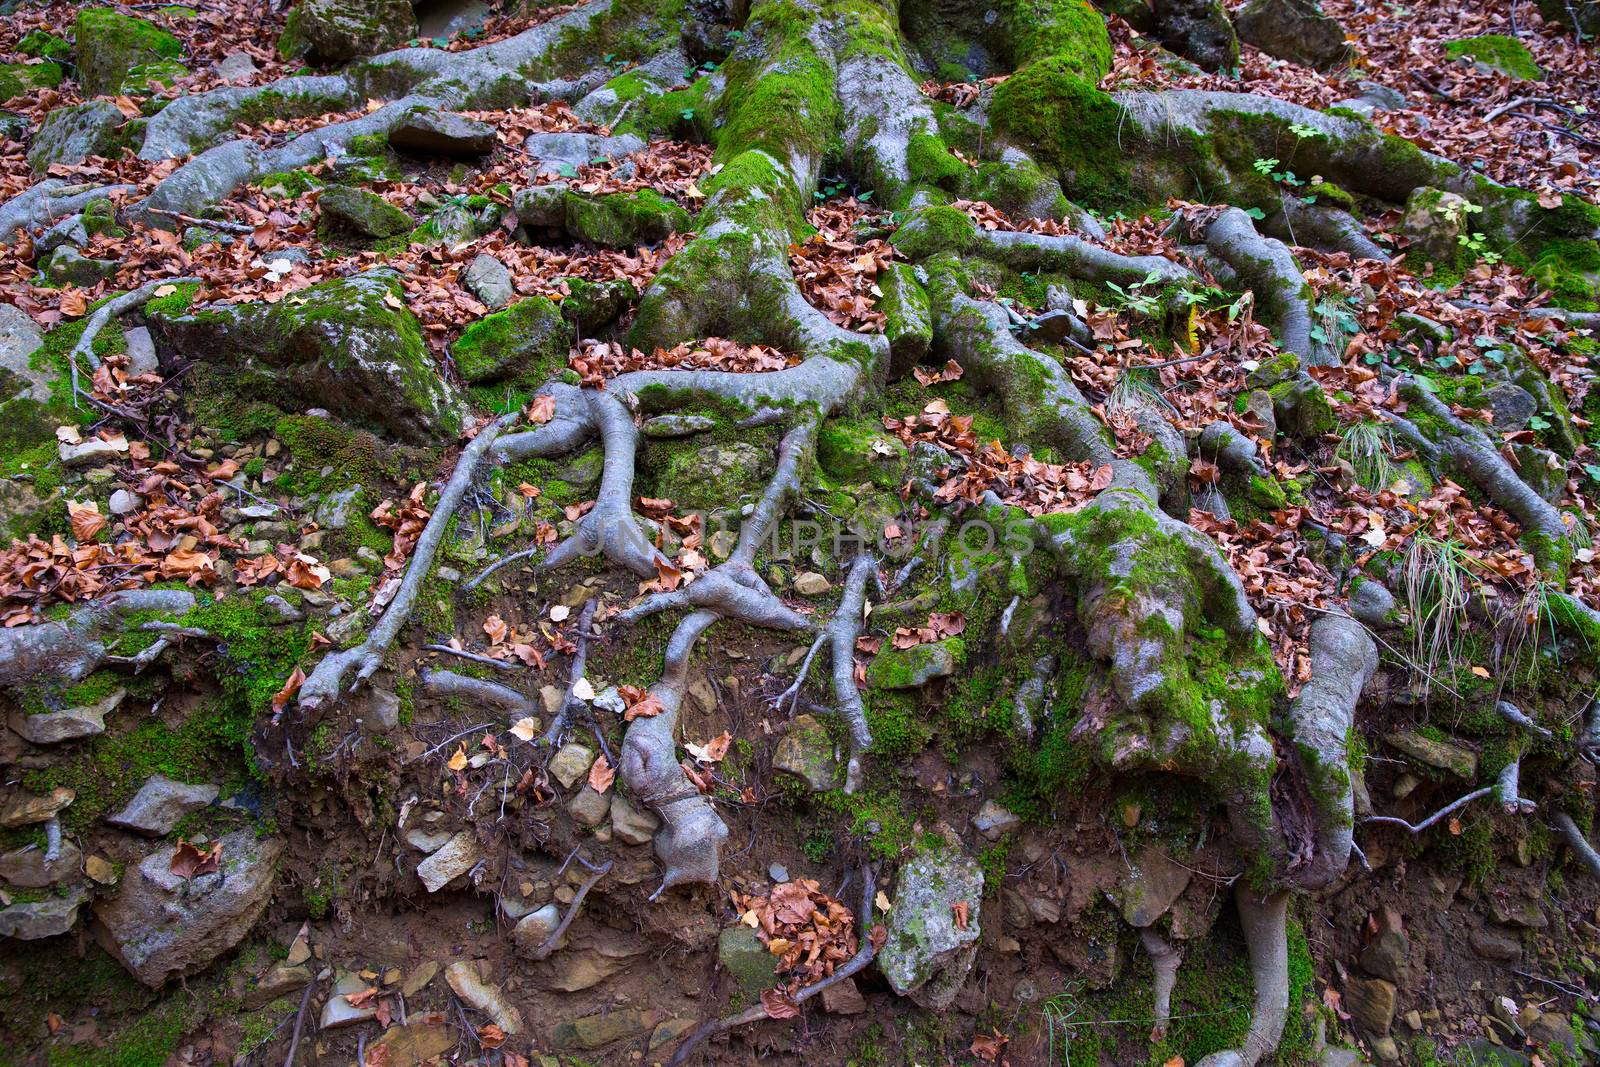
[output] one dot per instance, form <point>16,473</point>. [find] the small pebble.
<point>779,872</point>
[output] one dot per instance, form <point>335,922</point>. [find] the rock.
<point>67,266</point>
<point>1295,30</point>
<point>334,509</point>
<point>236,66</point>
<point>20,338</point>
<point>1387,956</point>
<point>161,926</point>
<point>710,475</point>
<point>632,824</point>
<point>592,305</point>
<point>382,712</point>
<point>1495,943</point>
<point>575,971</point>
<point>1385,1050</point>
<point>125,503</point>
<point>1370,604</point>
<point>1510,908</point>
<point>527,339</point>
<point>1461,762</point>
<point>109,46</point>
<point>541,207</point>
<point>54,727</point>
<point>25,809</point>
<point>92,452</point>
<point>589,807</point>
<point>843,998</point>
<point>26,867</point>
<point>624,220</point>
<point>44,918</point>
<point>413,1044</point>
<point>338,1012</point>
<point>457,856</point>
<point>664,427</point>
<point>808,752</point>
<point>914,667</point>
<point>346,209</point>
<point>70,135</point>
<point>571,763</point>
<point>1151,886</point>
<point>535,928</point>
<point>1496,53</point>
<point>418,979</point>
<point>597,1031</point>
<point>752,967</point>
<point>1198,30</point>
<point>280,980</point>
<point>927,956</point>
<point>329,33</point>
<point>160,803</point>
<point>443,133</point>
<point>810,583</point>
<point>1434,221</point>
<point>1370,1002</point>
<point>671,1030</point>
<point>467,980</point>
<point>348,344</point>
<point>17,79</point>
<point>488,279</point>
<point>1552,1031</point>
<point>553,151</point>
<point>1511,405</point>
<point>994,822</point>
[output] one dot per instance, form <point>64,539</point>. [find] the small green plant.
<point>1367,446</point>
<point>1302,131</point>
<point>1439,584</point>
<point>1058,1013</point>
<point>1137,298</point>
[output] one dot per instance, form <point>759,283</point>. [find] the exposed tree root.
<point>43,205</point>
<point>480,690</point>
<point>1165,960</point>
<point>1266,938</point>
<point>71,650</point>
<point>1268,269</point>
<point>1505,788</point>
<point>1577,842</point>
<point>596,872</point>
<point>609,529</point>
<point>842,633</point>
<point>580,660</point>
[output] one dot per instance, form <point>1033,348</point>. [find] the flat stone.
<point>1151,886</point>
<point>54,727</point>
<point>338,1012</point>
<point>542,206</point>
<point>25,809</point>
<point>535,928</point>
<point>280,980</point>
<point>575,971</point>
<point>749,963</point>
<point>46,918</point>
<point>994,821</point>
<point>807,751</point>
<point>443,133</point>
<point>466,979</point>
<point>26,867</point>
<point>458,856</point>
<point>418,979</point>
<point>141,351</point>
<point>632,824</point>
<point>334,510</point>
<point>1495,943</point>
<point>160,803</point>
<point>670,1030</point>
<point>589,807</point>
<point>571,763</point>
<point>597,1031</point>
<point>1461,762</point>
<point>914,667</point>
<point>843,998</point>
<point>413,1044</point>
<point>382,712</point>
<point>1371,1003</point>
<point>927,955</point>
<point>488,279</point>
<point>1517,910</point>
<point>123,502</point>
<point>1551,1030</point>
<point>92,451</point>
<point>666,427</point>
<point>424,839</point>
<point>810,583</point>
<point>551,151</point>
<point>236,66</point>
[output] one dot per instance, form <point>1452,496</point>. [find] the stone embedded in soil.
<point>93,451</point>
<point>1461,762</point>
<point>161,926</point>
<point>589,807</point>
<point>45,918</point>
<point>418,979</point>
<point>810,583</point>
<point>1511,908</point>
<point>748,962</point>
<point>994,821</point>
<point>1152,885</point>
<point>1371,1004</point>
<point>26,866</point>
<point>280,980</point>
<point>808,752</point>
<point>535,928</point>
<point>914,667</point>
<point>670,1030</point>
<point>158,805</point>
<point>487,279</point>
<point>597,1031</point>
<point>1387,956</point>
<point>467,981</point>
<point>25,809</point>
<point>570,763</point>
<point>1495,943</point>
<point>70,724</point>
<point>928,955</point>
<point>443,133</point>
<point>632,824</point>
<point>574,971</point>
<point>457,856</point>
<point>667,427</point>
<point>426,840</point>
<point>1553,1031</point>
<point>413,1044</point>
<point>347,209</point>
<point>338,1012</point>
<point>843,998</point>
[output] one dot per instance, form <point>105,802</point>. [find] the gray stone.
<point>927,956</point>
<point>333,510</point>
<point>467,980</point>
<point>1371,1003</point>
<point>26,866</point>
<point>92,452</point>
<point>488,279</point>
<point>347,209</point>
<point>458,856</point>
<point>382,712</point>
<point>535,928</point>
<point>70,135</point>
<point>54,727</point>
<point>160,803</point>
<point>1511,405</point>
<point>589,807</point>
<point>994,821</point>
<point>1461,762</point>
<point>44,918</point>
<point>1152,884</point>
<point>1434,220</point>
<point>337,1011</point>
<point>1371,603</point>
<point>750,964</point>
<point>570,763</point>
<point>542,207</point>
<point>67,266</point>
<point>777,872</point>
<point>914,667</point>
<point>25,809</point>
<point>1495,943</point>
<point>69,231</point>
<point>807,752</point>
<point>20,338</point>
<point>161,926</point>
<point>1295,30</point>
<point>553,151</point>
<point>124,502</point>
<point>451,225</point>
<point>632,824</point>
<point>426,840</point>
<point>593,305</point>
<point>443,133</point>
<point>670,426</point>
<point>330,33</point>
<point>236,66</point>
<point>281,609</point>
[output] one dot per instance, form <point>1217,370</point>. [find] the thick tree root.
<point>1270,272</point>
<point>1577,842</point>
<point>1266,938</point>
<point>1165,961</point>
<point>327,679</point>
<point>842,633</point>
<point>71,650</point>
<point>609,529</point>
<point>479,690</point>
<point>47,203</point>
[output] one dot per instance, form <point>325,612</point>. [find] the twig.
<point>549,945</point>
<point>214,224</point>
<point>299,1023</point>
<point>478,579</point>
<point>487,661</point>
<point>1510,105</point>
<point>455,737</point>
<point>1506,785</point>
<point>1432,88</point>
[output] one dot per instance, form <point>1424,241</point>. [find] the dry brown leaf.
<point>601,775</point>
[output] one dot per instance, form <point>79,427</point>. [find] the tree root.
<point>1577,842</point>
<point>1505,787</point>
<point>72,649</point>
<point>609,529</point>
<point>111,309</point>
<point>1269,270</point>
<point>1266,938</point>
<point>1165,960</point>
<point>596,873</point>
<point>481,690</point>
<point>47,203</point>
<point>842,632</point>
<point>1517,717</point>
<point>580,660</point>
<point>327,679</point>
<point>854,965</point>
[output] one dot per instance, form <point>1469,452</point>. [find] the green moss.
<point>1505,54</point>
<point>933,230</point>
<point>781,98</point>
<point>109,45</point>
<point>1051,110</point>
<point>931,163</point>
<point>856,451</point>
<point>1069,31</point>
<point>17,79</point>
<point>624,220</point>
<point>1570,269</point>
<point>43,45</point>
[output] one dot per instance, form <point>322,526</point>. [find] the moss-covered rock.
<point>72,134</point>
<point>911,668</point>
<point>1051,110</point>
<point>591,305</point>
<point>17,79</point>
<point>1570,269</point>
<point>110,45</point>
<point>349,345</point>
<point>346,209</point>
<point>43,45</point>
<point>330,32</point>
<point>527,339</point>
<point>624,220</point>
<point>1496,51</point>
<point>854,453</point>
<point>908,317</point>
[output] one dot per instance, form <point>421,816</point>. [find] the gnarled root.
<point>71,650</point>
<point>327,679</point>
<point>1165,960</point>
<point>1270,272</point>
<point>609,529</point>
<point>692,833</point>
<point>1577,842</point>
<point>1266,938</point>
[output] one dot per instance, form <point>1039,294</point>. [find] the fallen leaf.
<point>188,862</point>
<point>960,910</point>
<point>601,775</point>
<point>778,1005</point>
<point>525,728</point>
